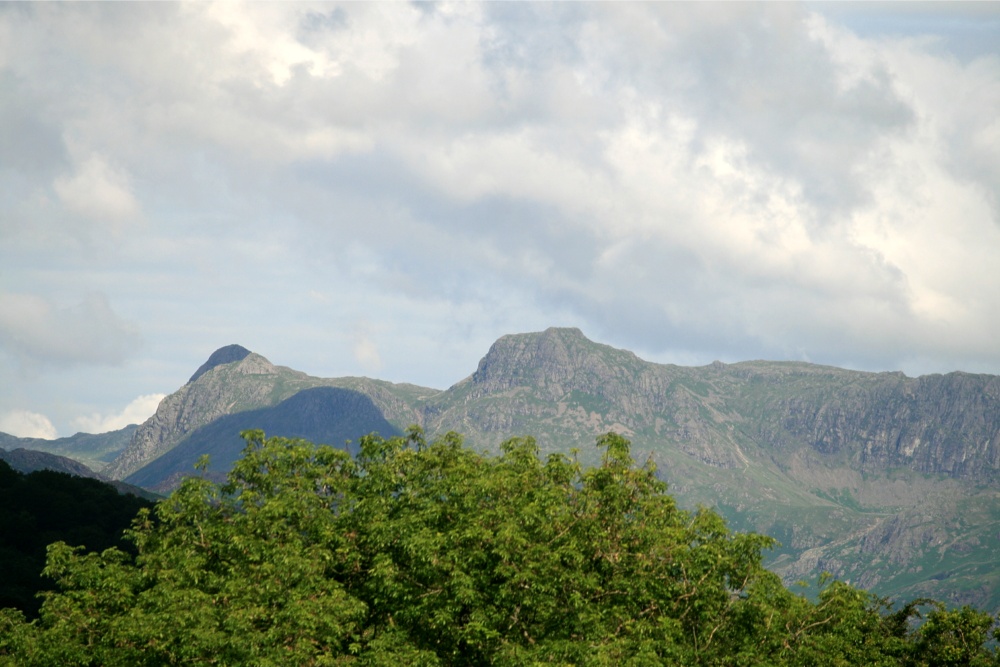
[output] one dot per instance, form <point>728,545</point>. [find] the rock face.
<point>555,362</point>
<point>938,424</point>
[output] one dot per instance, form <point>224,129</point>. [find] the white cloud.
<point>98,192</point>
<point>25,424</point>
<point>135,412</point>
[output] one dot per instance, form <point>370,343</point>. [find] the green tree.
<point>417,553</point>
<point>953,638</point>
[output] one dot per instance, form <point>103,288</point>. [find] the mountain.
<point>93,450</point>
<point>28,460</point>
<point>328,415</point>
<point>887,481</point>
<point>249,383</point>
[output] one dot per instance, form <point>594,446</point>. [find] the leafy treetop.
<point>417,553</point>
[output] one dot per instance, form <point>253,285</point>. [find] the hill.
<point>94,450</point>
<point>321,414</point>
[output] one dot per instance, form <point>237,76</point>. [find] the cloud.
<point>25,424</point>
<point>695,182</point>
<point>98,192</point>
<point>136,412</point>
<point>38,332</point>
<point>365,349</point>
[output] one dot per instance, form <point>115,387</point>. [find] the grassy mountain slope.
<point>94,450</point>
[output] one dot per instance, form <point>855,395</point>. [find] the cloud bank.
<point>25,424</point>
<point>694,182</point>
<point>136,412</point>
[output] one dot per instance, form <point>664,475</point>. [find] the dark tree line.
<point>43,507</point>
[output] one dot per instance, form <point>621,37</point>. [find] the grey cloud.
<point>755,74</point>
<point>30,138</point>
<point>39,333</point>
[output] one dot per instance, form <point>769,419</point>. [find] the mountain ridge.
<point>840,465</point>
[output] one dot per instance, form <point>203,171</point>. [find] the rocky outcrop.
<point>224,355</point>
<point>939,424</point>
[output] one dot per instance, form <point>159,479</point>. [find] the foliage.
<point>42,507</point>
<point>416,553</point>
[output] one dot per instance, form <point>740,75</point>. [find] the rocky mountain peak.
<point>242,380</point>
<point>557,360</point>
<point>224,355</point>
<point>254,364</point>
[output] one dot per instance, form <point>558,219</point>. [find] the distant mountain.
<point>224,355</point>
<point>250,383</point>
<point>28,460</point>
<point>327,415</point>
<point>888,481</point>
<point>93,450</point>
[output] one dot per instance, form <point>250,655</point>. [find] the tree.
<point>418,553</point>
<point>44,506</point>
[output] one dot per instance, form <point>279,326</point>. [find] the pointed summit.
<point>224,355</point>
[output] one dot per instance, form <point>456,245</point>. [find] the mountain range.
<point>886,481</point>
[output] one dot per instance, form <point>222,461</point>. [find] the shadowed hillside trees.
<point>43,507</point>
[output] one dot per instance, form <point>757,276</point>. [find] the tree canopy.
<point>429,553</point>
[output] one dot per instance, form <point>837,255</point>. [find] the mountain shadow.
<point>327,415</point>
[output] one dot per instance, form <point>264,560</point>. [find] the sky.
<point>384,189</point>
